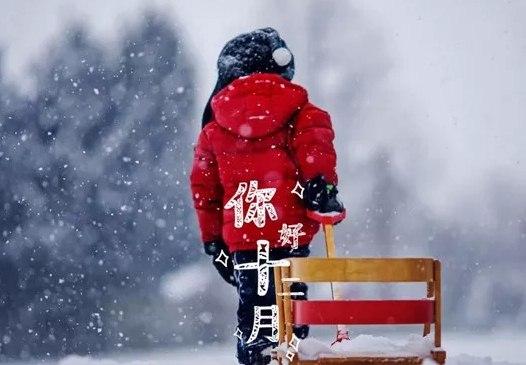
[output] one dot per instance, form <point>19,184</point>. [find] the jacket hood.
<point>258,104</point>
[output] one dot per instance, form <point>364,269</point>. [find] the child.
<point>261,136</point>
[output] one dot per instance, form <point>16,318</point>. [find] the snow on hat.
<point>262,50</point>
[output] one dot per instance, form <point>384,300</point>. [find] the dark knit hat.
<point>262,50</point>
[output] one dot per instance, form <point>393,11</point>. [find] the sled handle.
<point>328,222</point>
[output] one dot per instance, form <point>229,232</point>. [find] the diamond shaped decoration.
<point>222,258</point>
<point>298,190</point>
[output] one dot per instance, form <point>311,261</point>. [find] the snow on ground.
<point>311,349</point>
<point>499,348</point>
<point>216,355</point>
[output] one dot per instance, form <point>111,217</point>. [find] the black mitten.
<point>214,248</point>
<point>321,197</point>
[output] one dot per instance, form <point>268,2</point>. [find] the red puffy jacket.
<point>265,137</point>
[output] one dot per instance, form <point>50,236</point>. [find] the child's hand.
<point>321,196</point>
<point>214,249</point>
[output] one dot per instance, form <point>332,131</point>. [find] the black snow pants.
<point>247,284</point>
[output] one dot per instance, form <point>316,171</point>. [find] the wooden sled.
<point>425,311</point>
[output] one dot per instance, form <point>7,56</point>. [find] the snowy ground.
<point>463,349</point>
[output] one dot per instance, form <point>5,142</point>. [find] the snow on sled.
<point>426,311</point>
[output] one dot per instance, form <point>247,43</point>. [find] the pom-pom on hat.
<point>262,50</point>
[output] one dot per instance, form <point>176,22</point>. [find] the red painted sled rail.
<point>363,312</point>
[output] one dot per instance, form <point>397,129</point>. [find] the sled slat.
<point>362,269</point>
<point>363,312</point>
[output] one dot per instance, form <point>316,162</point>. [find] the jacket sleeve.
<point>312,144</point>
<point>207,191</point>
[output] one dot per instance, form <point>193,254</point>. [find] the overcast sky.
<point>457,65</point>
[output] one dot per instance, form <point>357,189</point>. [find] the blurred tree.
<point>147,187</point>
<point>95,203</point>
